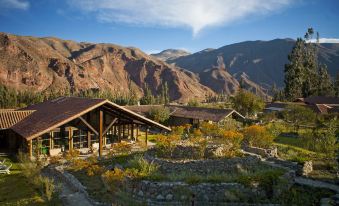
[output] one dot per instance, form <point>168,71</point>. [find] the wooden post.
<point>119,133</point>
<point>50,140</point>
<point>123,131</point>
<point>89,139</point>
<point>30,148</point>
<point>146,134</point>
<point>132,131</point>
<point>100,132</point>
<point>70,139</point>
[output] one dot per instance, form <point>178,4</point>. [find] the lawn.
<point>16,190</point>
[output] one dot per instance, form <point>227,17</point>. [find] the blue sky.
<point>154,25</point>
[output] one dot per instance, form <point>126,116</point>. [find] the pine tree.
<point>295,71</point>
<point>325,86</point>
<point>336,85</point>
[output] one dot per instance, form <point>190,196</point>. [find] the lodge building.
<point>67,123</point>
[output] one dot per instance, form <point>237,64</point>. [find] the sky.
<point>155,25</point>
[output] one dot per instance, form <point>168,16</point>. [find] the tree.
<point>336,85</point>
<point>298,115</point>
<point>247,103</point>
<point>325,86</point>
<point>303,74</point>
<point>159,114</point>
<point>148,98</point>
<point>294,71</point>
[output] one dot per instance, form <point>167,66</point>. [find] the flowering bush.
<point>166,144</point>
<point>257,136</point>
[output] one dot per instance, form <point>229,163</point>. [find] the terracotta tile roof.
<point>201,113</point>
<point>54,113</point>
<point>10,117</point>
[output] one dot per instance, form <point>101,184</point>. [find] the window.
<point>80,139</point>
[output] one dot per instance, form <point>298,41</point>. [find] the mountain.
<point>170,54</point>
<point>52,64</point>
<point>262,62</point>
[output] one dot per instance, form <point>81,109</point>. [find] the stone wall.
<point>179,193</point>
<point>266,153</point>
<point>207,166</point>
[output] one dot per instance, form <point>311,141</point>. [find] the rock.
<point>307,168</point>
<point>169,197</point>
<point>141,193</point>
<point>160,197</point>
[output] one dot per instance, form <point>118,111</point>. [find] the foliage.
<point>298,115</point>
<point>230,124</point>
<point>159,114</point>
<point>114,179</point>
<point>209,129</point>
<point>179,130</point>
<point>257,136</point>
<point>303,75</point>
<point>201,144</point>
<point>166,144</point>
<point>275,128</point>
<point>150,99</point>
<point>247,103</point>
<point>144,167</point>
<point>120,148</point>
<point>32,171</point>
<point>232,141</point>
<point>193,103</point>
<point>72,155</point>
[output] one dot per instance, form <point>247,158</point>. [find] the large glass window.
<point>80,139</point>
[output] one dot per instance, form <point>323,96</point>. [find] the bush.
<point>48,187</point>
<point>232,141</point>
<point>120,148</point>
<point>179,130</point>
<point>71,155</point>
<point>210,129</point>
<point>114,179</point>
<point>166,144</point>
<point>257,136</point>
<point>201,144</point>
<point>144,167</point>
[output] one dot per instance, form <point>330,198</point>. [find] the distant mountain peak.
<point>170,54</point>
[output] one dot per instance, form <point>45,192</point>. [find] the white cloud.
<point>195,14</point>
<point>14,4</point>
<point>326,40</point>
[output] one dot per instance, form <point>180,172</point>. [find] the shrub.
<point>166,144</point>
<point>48,187</point>
<point>232,142</point>
<point>120,148</point>
<point>94,169</point>
<point>144,167</point>
<point>71,155</point>
<point>179,130</point>
<point>114,179</point>
<point>257,136</point>
<point>201,144</point>
<point>209,129</point>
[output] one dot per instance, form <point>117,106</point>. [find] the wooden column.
<point>30,148</point>
<point>70,139</point>
<point>132,131</point>
<point>146,135</point>
<point>137,135</point>
<point>50,140</point>
<point>89,139</point>
<point>100,132</point>
<point>123,131</point>
<point>119,133</point>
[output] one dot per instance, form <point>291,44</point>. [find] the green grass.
<point>150,137</point>
<point>16,190</point>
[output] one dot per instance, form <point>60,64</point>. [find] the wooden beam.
<point>110,125</point>
<point>100,132</point>
<point>88,125</point>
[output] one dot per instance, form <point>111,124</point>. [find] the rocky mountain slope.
<point>170,54</point>
<point>51,64</point>
<point>261,61</point>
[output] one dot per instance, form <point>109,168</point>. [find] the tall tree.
<point>295,71</point>
<point>325,86</point>
<point>336,85</point>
